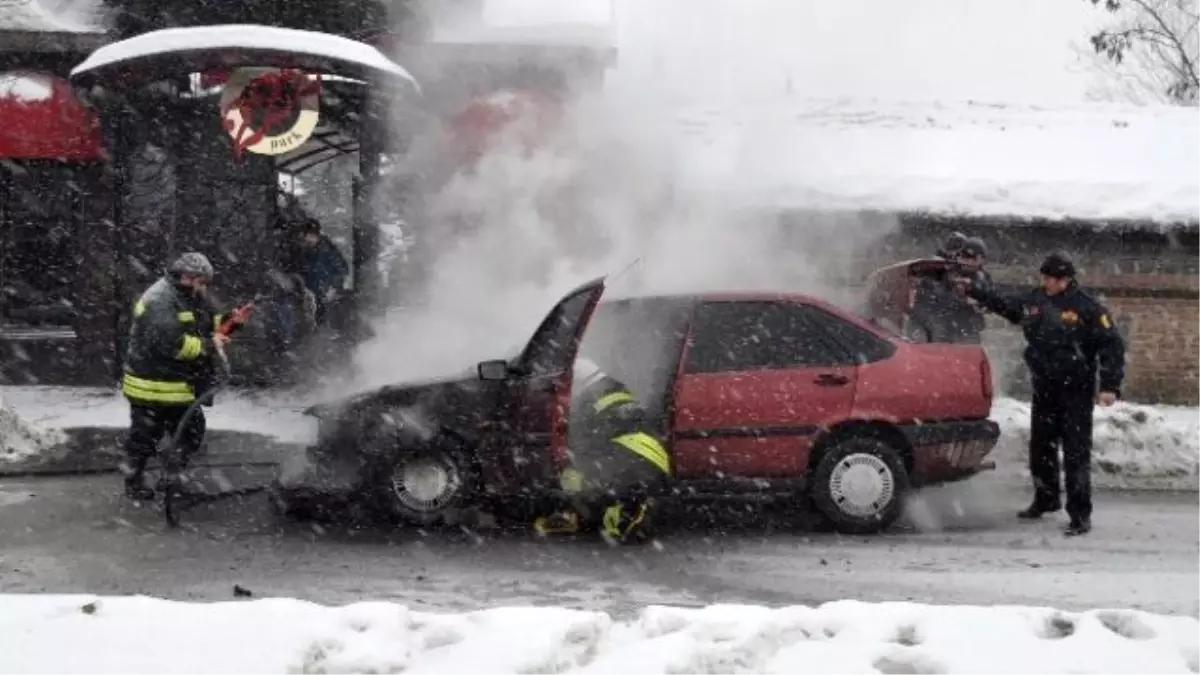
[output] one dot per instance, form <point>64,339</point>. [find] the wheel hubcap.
<point>425,484</point>
<point>862,485</point>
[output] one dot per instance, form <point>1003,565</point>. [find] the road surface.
<point>962,544</point>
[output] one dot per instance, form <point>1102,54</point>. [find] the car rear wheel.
<point>860,484</point>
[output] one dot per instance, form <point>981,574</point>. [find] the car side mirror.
<point>493,370</point>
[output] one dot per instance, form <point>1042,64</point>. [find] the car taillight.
<point>985,377</point>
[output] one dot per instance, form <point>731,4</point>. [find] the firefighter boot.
<point>627,523</point>
<point>562,522</point>
<point>134,473</point>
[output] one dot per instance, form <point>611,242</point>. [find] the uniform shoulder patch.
<point>1105,321</point>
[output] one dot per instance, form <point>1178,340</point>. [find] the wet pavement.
<point>959,544</point>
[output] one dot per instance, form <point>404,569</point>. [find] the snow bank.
<point>1133,445</point>
<point>20,440</point>
<point>139,634</point>
<point>278,416</point>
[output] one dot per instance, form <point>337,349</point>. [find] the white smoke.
<point>608,194</point>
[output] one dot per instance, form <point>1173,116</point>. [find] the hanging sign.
<point>270,111</point>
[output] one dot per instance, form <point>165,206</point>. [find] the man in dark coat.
<point>321,266</point>
<point>171,345</point>
<point>617,467</point>
<point>1072,342</point>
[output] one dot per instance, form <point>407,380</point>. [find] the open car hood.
<point>552,348</point>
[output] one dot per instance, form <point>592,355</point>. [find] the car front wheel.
<point>425,487</point>
<point>860,484</point>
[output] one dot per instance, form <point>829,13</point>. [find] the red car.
<point>776,395</point>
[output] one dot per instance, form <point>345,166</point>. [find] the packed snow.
<point>141,634</point>
<point>170,40</point>
<point>26,87</point>
<point>1133,445</point>
<point>20,439</point>
<point>51,408</point>
<point>1097,162</point>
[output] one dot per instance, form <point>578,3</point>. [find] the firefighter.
<point>169,357</point>
<point>940,306</point>
<point>953,244</point>
<point>617,468</point>
<point>1071,342</point>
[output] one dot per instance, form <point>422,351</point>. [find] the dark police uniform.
<point>1071,341</point>
<point>617,468</point>
<point>170,350</point>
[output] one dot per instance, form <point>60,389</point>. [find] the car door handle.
<point>831,380</point>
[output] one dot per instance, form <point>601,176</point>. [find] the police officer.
<point>1071,341</point>
<point>171,347</point>
<point>617,467</point>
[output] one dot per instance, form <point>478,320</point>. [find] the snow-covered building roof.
<point>1113,163</point>
<point>51,16</point>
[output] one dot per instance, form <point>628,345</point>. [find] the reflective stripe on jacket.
<point>610,413</point>
<point>167,346</point>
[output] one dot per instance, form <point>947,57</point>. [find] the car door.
<point>539,393</point>
<point>759,380</point>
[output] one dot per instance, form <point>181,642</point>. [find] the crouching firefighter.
<point>172,344</point>
<point>618,469</point>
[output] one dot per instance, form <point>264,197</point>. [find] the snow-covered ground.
<point>141,634</point>
<point>20,439</point>
<point>1133,445</point>
<point>65,407</point>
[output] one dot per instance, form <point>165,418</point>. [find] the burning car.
<point>755,395</point>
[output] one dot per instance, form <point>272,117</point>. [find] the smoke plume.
<point>611,190</point>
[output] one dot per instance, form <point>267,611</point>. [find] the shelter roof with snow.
<point>1098,163</point>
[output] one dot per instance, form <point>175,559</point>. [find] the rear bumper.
<point>947,451</point>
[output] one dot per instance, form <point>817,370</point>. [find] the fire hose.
<point>172,477</point>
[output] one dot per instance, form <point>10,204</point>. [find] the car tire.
<point>859,485</point>
<point>427,486</point>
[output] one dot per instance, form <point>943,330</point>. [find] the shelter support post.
<point>368,293</point>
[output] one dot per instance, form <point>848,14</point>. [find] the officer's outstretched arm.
<point>1109,347</point>
<point>1011,307</point>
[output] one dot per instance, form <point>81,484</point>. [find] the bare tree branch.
<point>1152,42</point>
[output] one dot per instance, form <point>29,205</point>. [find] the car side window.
<point>759,335</point>
<point>859,344</point>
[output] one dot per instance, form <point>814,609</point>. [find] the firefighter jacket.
<point>1071,338</point>
<point>606,413</point>
<point>170,345</point>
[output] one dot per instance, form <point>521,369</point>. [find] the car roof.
<point>717,296</point>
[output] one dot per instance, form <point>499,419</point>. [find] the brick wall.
<point>1149,277</point>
